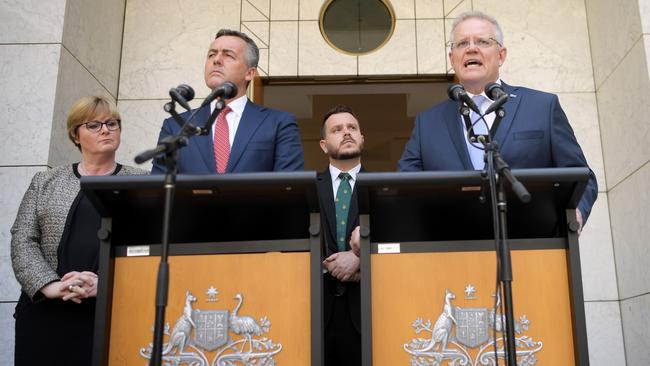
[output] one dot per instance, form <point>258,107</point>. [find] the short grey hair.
<point>252,51</point>
<point>477,15</point>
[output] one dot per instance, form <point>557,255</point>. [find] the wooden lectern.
<point>428,269</point>
<point>245,269</point>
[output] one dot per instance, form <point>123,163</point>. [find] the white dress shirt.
<point>233,117</point>
<point>336,181</point>
<point>476,155</point>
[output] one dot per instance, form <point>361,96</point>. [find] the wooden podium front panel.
<point>410,286</point>
<point>273,285</point>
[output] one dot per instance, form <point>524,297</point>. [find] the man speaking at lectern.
<point>534,133</point>
<point>245,137</point>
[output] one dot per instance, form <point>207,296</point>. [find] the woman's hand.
<point>57,290</point>
<point>79,285</point>
<point>73,286</point>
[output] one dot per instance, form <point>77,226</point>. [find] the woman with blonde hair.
<point>54,244</point>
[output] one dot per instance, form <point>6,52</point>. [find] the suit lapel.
<point>205,143</point>
<point>456,134</point>
<point>326,194</point>
<point>251,119</point>
<point>510,108</point>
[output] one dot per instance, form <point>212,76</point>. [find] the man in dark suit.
<point>342,141</point>
<point>245,137</point>
<point>535,132</point>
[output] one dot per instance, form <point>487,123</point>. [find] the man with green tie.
<point>342,141</point>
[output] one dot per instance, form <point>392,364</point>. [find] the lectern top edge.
<point>199,181</point>
<point>560,175</point>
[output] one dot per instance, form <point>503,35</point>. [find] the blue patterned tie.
<point>476,155</point>
<point>342,204</point>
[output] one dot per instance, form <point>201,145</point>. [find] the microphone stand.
<point>497,169</point>
<point>169,146</point>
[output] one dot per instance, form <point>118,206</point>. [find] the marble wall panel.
<point>604,334</point>
<point>8,284</point>
<point>628,206</point>
<point>396,57</point>
<point>151,65</point>
<point>74,82</point>
<point>263,64</point>
<point>284,9</point>
<point>7,333</point>
<point>262,6</point>
<point>404,9</point>
<point>454,7</point>
<point>14,181</point>
<point>93,34</point>
<point>31,21</point>
<point>142,120</point>
<point>448,25</point>
<point>644,12</point>
<point>30,74</point>
<point>258,31</point>
<point>250,11</point>
<point>431,48</point>
<point>636,329</point>
<point>623,116</point>
<point>260,34</point>
<point>310,9</point>
<point>317,57</point>
<point>429,9</point>
<point>547,41</point>
<point>582,112</point>
<point>607,47</point>
<point>283,51</point>
<point>597,255</point>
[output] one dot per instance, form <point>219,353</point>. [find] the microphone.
<point>227,90</point>
<point>457,92</point>
<point>182,94</point>
<point>495,92</point>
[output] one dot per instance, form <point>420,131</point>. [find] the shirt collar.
<point>483,93</point>
<point>236,105</point>
<point>334,172</point>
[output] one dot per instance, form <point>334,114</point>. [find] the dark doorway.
<point>386,112</point>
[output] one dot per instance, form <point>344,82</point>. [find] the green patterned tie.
<point>343,196</point>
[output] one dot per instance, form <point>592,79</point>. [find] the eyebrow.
<point>474,37</point>
<point>224,50</point>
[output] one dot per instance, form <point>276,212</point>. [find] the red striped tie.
<point>222,141</point>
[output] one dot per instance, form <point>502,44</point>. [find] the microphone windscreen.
<point>454,90</point>
<point>186,91</point>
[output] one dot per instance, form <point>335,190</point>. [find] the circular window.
<point>357,26</point>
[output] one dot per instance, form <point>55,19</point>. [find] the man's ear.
<point>323,146</point>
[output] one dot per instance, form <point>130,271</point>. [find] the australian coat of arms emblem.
<point>459,330</point>
<point>238,340</point>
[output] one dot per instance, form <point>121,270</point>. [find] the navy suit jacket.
<point>328,230</point>
<point>266,140</point>
<point>535,133</point>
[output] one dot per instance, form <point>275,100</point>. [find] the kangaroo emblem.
<point>442,329</point>
<point>182,329</point>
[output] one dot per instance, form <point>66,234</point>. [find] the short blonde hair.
<point>86,109</point>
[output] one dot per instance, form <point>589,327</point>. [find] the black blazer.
<point>328,230</point>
